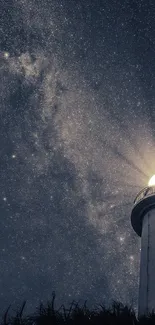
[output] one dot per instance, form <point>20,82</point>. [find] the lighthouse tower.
<point>143,222</point>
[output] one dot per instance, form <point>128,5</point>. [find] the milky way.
<point>77,144</point>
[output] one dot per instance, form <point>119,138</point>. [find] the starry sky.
<point>77,135</point>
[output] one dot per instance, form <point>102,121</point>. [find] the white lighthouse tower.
<point>143,222</point>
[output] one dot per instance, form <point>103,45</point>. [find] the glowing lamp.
<point>152,181</point>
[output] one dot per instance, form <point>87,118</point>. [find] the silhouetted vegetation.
<point>117,314</point>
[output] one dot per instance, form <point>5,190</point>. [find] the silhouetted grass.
<point>117,314</point>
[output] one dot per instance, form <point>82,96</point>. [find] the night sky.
<point>77,136</point>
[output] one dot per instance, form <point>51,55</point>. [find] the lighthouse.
<point>143,222</point>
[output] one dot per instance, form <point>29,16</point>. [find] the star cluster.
<point>77,144</point>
